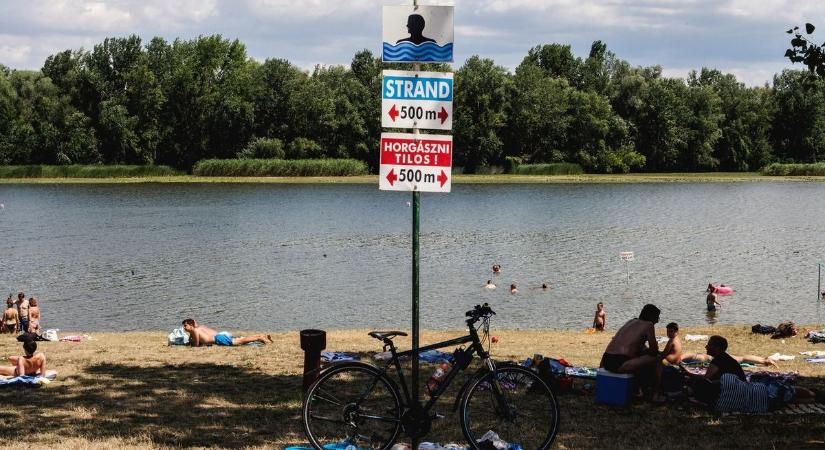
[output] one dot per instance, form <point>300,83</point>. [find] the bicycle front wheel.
<point>352,405</point>
<point>512,405</point>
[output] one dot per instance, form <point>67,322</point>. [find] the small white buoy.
<point>2,206</point>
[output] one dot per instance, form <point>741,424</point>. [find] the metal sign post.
<point>416,100</point>
<point>627,257</point>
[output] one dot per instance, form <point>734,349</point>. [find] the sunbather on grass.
<point>32,363</point>
<point>201,335</point>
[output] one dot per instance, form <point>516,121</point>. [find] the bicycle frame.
<point>475,349</point>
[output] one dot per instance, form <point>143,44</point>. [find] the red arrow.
<point>442,178</point>
<point>441,115</point>
<point>391,177</point>
<point>394,113</point>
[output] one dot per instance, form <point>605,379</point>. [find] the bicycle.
<point>358,404</point>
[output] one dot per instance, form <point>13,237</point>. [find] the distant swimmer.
<point>489,285</point>
<point>711,302</point>
<point>513,289</point>
<point>496,268</point>
<point>545,286</point>
<point>415,26</point>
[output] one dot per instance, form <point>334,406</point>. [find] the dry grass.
<point>131,391</point>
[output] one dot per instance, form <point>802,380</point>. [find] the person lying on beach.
<point>673,354</point>
<point>201,335</point>
<point>32,363</point>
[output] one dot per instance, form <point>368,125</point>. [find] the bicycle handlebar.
<point>480,311</point>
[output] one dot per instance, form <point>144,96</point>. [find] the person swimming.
<point>489,285</point>
<point>513,289</point>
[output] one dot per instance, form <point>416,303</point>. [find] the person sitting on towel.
<point>33,363</point>
<point>706,387</point>
<point>201,335</point>
<point>674,355</point>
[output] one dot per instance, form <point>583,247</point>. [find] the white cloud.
<point>78,16</point>
<point>790,11</point>
<point>472,31</point>
<point>289,9</point>
<point>179,12</point>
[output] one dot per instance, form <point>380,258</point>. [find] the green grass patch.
<point>784,170</point>
<point>82,171</point>
<point>548,169</point>
<point>279,168</point>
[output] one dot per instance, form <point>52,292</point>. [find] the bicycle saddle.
<point>382,335</point>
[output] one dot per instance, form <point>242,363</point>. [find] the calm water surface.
<point>286,257</point>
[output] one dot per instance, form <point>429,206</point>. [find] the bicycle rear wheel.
<point>513,403</point>
<point>354,404</point>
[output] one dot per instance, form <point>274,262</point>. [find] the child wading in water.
<point>600,319</point>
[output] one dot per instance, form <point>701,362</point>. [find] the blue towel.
<point>338,356</point>
<point>815,360</point>
<point>435,356</point>
<point>23,380</point>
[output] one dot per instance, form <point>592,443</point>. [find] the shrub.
<point>263,148</point>
<point>549,169</point>
<point>303,148</point>
<point>777,169</point>
<point>279,168</point>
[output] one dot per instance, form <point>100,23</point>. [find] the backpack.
<point>552,371</point>
<point>178,336</point>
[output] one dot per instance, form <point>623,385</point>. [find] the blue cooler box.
<point>614,388</point>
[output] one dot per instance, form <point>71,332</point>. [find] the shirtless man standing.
<point>32,363</point>
<point>201,335</point>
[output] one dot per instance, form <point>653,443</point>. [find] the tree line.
<point>175,103</point>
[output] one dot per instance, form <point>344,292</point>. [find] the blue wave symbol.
<point>425,52</point>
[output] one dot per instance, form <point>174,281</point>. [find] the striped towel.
<point>741,396</point>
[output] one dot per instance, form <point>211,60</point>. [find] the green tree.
<point>479,109</point>
<point>798,132</point>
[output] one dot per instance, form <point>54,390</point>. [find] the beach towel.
<point>696,337</point>
<point>581,372</point>
<point>815,360</point>
<point>72,338</point>
<point>780,357</point>
<point>814,353</point>
<point>338,356</point>
<point>30,381</point>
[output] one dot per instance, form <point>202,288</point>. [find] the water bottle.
<point>436,377</point>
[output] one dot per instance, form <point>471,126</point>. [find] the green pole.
<point>416,212</point>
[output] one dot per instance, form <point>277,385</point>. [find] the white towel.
<point>814,353</point>
<point>781,357</point>
<point>696,337</point>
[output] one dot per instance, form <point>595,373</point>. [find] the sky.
<point>743,37</point>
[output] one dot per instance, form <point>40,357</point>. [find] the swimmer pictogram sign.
<point>412,162</point>
<point>417,100</point>
<point>418,33</point>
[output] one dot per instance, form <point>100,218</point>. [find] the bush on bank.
<point>279,168</point>
<point>776,169</point>
<point>548,169</point>
<point>85,171</point>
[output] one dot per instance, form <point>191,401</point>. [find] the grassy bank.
<point>279,168</point>
<point>129,390</point>
<point>85,171</point>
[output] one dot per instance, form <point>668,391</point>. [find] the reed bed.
<point>279,168</point>
<point>811,170</point>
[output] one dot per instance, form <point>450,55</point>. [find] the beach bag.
<point>178,336</point>
<point>552,371</point>
<point>785,329</point>
<point>51,334</point>
<point>763,329</point>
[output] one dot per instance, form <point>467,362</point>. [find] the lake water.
<point>286,257</point>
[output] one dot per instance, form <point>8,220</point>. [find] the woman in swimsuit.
<point>34,316</point>
<point>10,319</point>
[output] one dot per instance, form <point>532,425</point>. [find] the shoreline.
<point>716,177</point>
